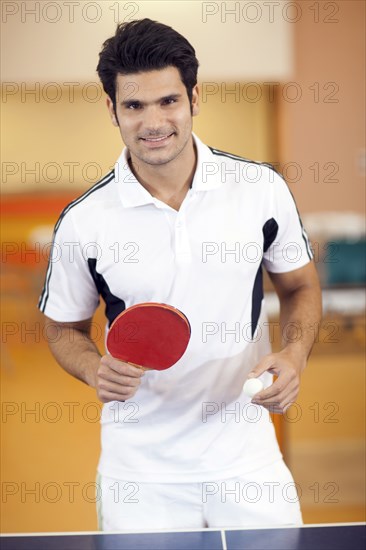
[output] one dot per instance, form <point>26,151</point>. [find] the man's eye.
<point>169,101</point>
<point>133,106</point>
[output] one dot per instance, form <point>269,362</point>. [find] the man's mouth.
<point>156,139</point>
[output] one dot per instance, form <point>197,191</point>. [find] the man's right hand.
<point>76,352</point>
<point>116,380</point>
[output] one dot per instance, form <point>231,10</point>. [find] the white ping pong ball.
<point>252,386</point>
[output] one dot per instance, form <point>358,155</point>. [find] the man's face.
<point>154,115</point>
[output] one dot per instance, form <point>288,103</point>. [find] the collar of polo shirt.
<point>132,193</point>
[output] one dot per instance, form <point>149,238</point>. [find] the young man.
<point>180,223</point>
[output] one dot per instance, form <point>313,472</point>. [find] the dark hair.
<point>146,45</point>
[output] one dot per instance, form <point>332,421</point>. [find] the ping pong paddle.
<point>149,335</point>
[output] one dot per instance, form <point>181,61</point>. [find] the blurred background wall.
<point>281,82</point>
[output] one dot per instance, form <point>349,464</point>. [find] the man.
<point>180,223</point>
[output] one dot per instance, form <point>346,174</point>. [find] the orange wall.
<point>327,132</point>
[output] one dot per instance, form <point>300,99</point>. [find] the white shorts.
<point>264,497</point>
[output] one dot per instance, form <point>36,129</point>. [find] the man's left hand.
<point>278,397</point>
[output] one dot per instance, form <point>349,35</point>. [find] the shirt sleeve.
<point>286,244</point>
<point>69,293</point>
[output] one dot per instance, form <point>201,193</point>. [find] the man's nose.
<point>153,119</point>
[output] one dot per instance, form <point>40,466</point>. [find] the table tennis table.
<point>337,536</point>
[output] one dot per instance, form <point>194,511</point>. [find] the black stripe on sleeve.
<point>257,298</point>
<point>113,305</point>
<point>269,230</point>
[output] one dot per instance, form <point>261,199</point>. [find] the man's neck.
<point>168,182</point>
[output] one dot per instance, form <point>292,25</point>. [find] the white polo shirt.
<point>192,421</point>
